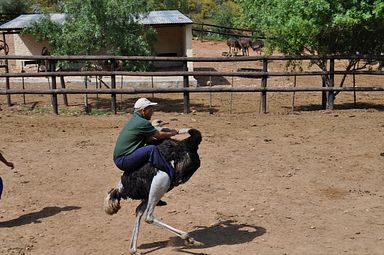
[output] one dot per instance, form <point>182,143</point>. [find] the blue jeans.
<point>143,155</point>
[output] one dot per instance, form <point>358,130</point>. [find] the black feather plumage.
<point>186,161</point>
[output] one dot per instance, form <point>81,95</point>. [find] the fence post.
<point>264,85</point>
<point>65,98</point>
<point>324,85</point>
<point>202,32</point>
<point>22,82</point>
<point>87,107</point>
<point>354,91</point>
<point>113,86</point>
<point>7,85</point>
<point>186,85</point>
<point>52,68</point>
<point>331,94</point>
<point>323,93</point>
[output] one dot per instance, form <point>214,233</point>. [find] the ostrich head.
<point>158,123</point>
<point>258,44</point>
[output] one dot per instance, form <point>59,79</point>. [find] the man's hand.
<point>174,132</point>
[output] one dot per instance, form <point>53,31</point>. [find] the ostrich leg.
<point>139,213</point>
<point>159,186</point>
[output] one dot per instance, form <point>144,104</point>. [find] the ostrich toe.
<point>189,241</point>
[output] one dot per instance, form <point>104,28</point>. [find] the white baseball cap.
<point>142,103</point>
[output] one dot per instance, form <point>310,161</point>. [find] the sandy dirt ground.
<point>303,182</point>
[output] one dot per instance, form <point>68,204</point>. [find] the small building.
<point>174,31</point>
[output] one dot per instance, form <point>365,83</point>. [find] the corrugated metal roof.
<point>27,19</point>
<point>153,18</point>
<point>166,17</point>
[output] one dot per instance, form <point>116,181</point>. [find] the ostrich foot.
<point>134,252</point>
<point>189,241</point>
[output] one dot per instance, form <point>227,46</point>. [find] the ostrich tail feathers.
<point>112,202</point>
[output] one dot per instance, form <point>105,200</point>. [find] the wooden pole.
<point>294,94</point>
<point>22,82</point>
<point>354,92</point>
<point>113,86</point>
<point>121,87</point>
<point>324,85</point>
<point>65,98</point>
<point>331,94</point>
<point>186,85</point>
<point>264,85</point>
<point>7,84</point>
<point>98,86</point>
<point>202,32</point>
<point>231,99</point>
<point>86,106</point>
<point>324,93</point>
<point>55,106</point>
<point>210,96</point>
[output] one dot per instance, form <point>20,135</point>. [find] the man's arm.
<point>165,134</point>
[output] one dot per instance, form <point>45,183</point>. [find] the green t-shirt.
<point>133,135</point>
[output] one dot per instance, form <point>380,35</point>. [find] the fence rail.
<point>263,74</point>
<point>197,59</point>
<point>189,90</point>
<point>203,28</point>
<point>253,74</point>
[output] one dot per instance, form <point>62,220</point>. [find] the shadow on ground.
<point>226,232</point>
<point>202,80</point>
<point>36,217</point>
<point>344,106</point>
<point>164,105</point>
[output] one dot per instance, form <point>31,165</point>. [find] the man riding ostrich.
<point>153,164</point>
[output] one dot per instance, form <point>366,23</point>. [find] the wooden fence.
<point>264,74</point>
<point>201,29</point>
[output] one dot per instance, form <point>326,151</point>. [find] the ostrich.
<point>246,43</point>
<point>4,46</point>
<point>233,45</point>
<point>149,184</point>
<point>43,65</point>
<point>257,45</point>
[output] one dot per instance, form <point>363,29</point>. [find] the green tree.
<point>201,10</point>
<point>225,14</point>
<point>40,6</point>
<point>181,5</point>
<point>98,27</point>
<point>319,27</point>
<point>10,9</point>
